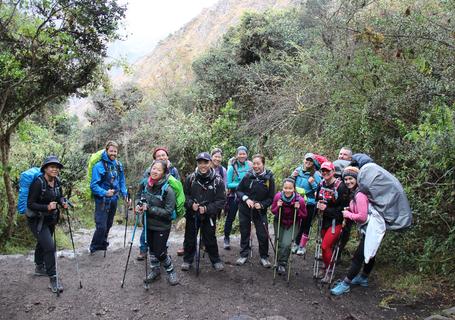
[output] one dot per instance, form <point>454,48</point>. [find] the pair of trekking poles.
<point>74,251</point>
<point>330,270</point>
<point>277,240</point>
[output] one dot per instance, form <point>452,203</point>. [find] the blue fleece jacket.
<point>234,178</point>
<point>113,179</point>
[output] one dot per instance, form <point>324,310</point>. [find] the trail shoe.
<point>54,286</point>
<point>227,243</point>
<point>141,256</point>
<point>172,278</point>
<point>40,270</point>
<point>281,270</point>
<point>360,280</point>
<point>185,266</point>
<point>301,251</point>
<point>340,288</point>
<point>265,263</point>
<point>153,275</point>
<point>180,252</point>
<point>241,261</point>
<point>218,266</point>
<point>294,249</point>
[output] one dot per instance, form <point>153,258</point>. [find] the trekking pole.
<point>74,249</point>
<point>131,246</point>
<point>277,239</point>
<point>146,284</point>
<point>317,250</point>
<point>266,231</point>
<point>56,265</point>
<point>251,233</point>
<point>333,259</point>
<point>290,248</point>
<point>126,218</point>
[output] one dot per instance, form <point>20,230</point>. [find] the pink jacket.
<point>358,209</point>
<point>287,215</point>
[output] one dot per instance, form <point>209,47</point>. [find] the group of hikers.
<point>317,190</point>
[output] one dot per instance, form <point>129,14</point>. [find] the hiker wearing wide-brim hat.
<point>44,195</point>
<point>51,160</point>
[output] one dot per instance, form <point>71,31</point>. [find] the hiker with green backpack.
<point>44,194</point>
<point>107,183</point>
<point>157,202</point>
<point>162,154</point>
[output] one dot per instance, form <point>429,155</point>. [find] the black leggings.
<point>305,225</point>
<point>45,247</point>
<point>358,261</point>
<point>157,243</point>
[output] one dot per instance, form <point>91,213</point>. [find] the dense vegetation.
<point>378,76</point>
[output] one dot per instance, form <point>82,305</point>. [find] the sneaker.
<point>218,266</point>
<point>281,270</point>
<point>301,251</point>
<point>153,275</point>
<point>185,266</point>
<point>360,280</point>
<point>294,249</point>
<point>340,288</point>
<point>180,252</point>
<point>172,278</point>
<point>40,270</point>
<point>241,261</point>
<point>55,286</point>
<point>141,256</point>
<point>227,243</point>
<point>265,263</point>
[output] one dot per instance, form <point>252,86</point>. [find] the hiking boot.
<point>241,261</point>
<point>40,270</point>
<point>340,288</point>
<point>294,249</point>
<point>185,266</point>
<point>360,280</point>
<point>172,278</point>
<point>281,270</point>
<point>153,275</point>
<point>180,252</point>
<point>54,286</point>
<point>227,243</point>
<point>301,251</point>
<point>218,266</point>
<point>141,256</point>
<point>265,263</point>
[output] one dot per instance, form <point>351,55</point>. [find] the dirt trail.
<point>237,293</point>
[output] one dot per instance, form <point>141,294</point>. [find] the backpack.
<point>386,195</point>
<point>233,162</point>
<point>93,160</point>
<point>329,194</point>
<point>320,159</point>
<point>26,179</point>
<point>164,188</point>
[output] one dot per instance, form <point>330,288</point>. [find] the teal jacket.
<point>301,182</point>
<point>236,172</point>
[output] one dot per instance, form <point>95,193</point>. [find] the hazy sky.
<point>148,21</point>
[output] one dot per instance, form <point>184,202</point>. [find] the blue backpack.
<point>26,179</point>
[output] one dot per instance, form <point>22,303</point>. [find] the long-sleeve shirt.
<point>358,209</point>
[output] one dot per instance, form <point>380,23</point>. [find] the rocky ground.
<point>244,292</point>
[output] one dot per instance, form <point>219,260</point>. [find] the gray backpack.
<point>386,195</point>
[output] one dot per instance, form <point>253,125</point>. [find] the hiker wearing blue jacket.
<point>237,169</point>
<point>108,182</point>
<point>307,179</point>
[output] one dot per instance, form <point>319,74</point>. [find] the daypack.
<point>320,159</point>
<point>93,160</point>
<point>26,179</point>
<point>386,195</point>
<point>329,194</point>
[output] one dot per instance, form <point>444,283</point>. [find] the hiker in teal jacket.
<point>237,169</point>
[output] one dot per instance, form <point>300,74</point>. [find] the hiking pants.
<point>305,225</point>
<point>233,206</point>
<point>208,238</point>
<point>45,247</point>
<point>259,219</point>
<point>157,243</point>
<point>105,209</point>
<point>358,260</point>
<point>329,240</point>
<point>284,242</point>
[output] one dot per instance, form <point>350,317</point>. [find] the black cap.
<point>204,156</point>
<point>51,160</point>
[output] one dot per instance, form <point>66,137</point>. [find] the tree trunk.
<point>5,146</point>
